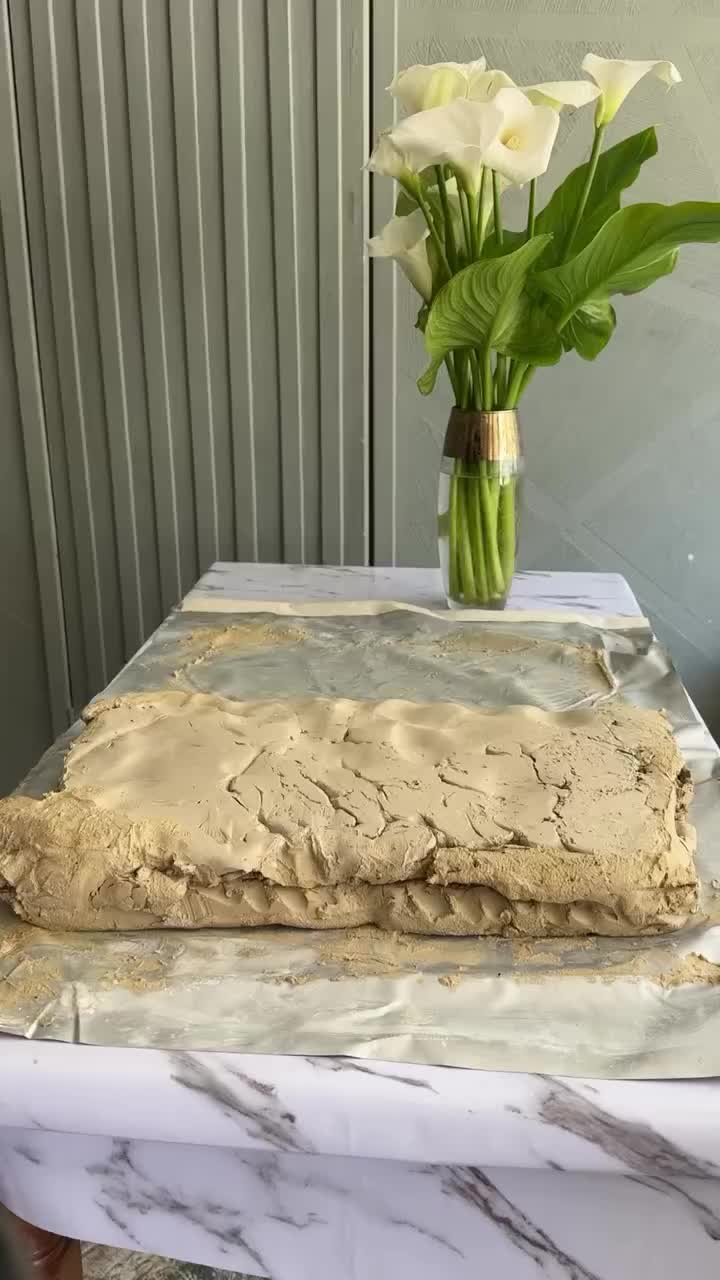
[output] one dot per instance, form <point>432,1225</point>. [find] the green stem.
<point>531,209</point>
<point>464,550</point>
<point>496,208</point>
<point>589,178</point>
<point>473,205</point>
<point>435,236</point>
<point>472,384</point>
<point>529,373</point>
<point>452,375</point>
<point>500,381</point>
<point>462,373</point>
<point>447,217</point>
<point>487,379</point>
<point>467,228</point>
<point>480,229</point>
<point>499,235</point>
<point>489,496</point>
<point>453,580</point>
<point>477,373</point>
<point>516,385</point>
<point>476,533</point>
<point>506,530</point>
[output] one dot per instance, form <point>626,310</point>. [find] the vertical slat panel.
<point>67,227</point>
<point>23,682</point>
<point>30,395</point>
<point>47,350</point>
<point>291,35</point>
<point>342,28</point>
<point>195,211</point>
<point>384,304</point>
<point>195,85</point>
<point>250,281</point>
<point>154,183</point>
<point>116,282</point>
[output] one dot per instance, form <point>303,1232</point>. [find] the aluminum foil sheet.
<point>633,1008</point>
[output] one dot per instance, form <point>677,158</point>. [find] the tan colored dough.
<point>187,809</point>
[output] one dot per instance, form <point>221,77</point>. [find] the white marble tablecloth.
<point>333,1169</point>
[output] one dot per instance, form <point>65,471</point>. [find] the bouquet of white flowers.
<point>497,303</point>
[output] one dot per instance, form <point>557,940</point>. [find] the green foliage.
<point>426,381</point>
<point>617,169</point>
<point>522,300</point>
<point>589,329</point>
<point>439,274</point>
<point>486,305</point>
<point>405,203</point>
<point>635,247</point>
<point>510,242</point>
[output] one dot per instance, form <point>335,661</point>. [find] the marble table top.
<point>606,593</point>
<point>139,1147</point>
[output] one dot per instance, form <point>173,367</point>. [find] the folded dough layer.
<point>189,810</point>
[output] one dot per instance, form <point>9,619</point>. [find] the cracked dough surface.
<point>188,809</point>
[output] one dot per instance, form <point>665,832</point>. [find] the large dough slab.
<point>189,810</point>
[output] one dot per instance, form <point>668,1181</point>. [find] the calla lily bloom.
<point>419,88</point>
<point>523,146</point>
<point>562,93</point>
<point>458,134</point>
<point>404,239</point>
<point>617,76</point>
<point>487,84</point>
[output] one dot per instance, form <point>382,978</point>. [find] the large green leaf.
<point>534,337</point>
<point>426,381</point>
<point>511,241</point>
<point>484,305</point>
<point>634,248</point>
<point>617,169</point>
<point>590,328</point>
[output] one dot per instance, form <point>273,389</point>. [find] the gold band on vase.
<point>483,435</point>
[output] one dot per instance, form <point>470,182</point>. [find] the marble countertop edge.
<point>359,1108</point>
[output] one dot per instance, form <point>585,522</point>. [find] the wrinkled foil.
<point>598,1006</point>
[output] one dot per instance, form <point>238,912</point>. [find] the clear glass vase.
<point>477,507</point>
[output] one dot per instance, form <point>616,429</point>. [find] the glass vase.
<point>477,507</point>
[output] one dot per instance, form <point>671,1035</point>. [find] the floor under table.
<point>100,1263</point>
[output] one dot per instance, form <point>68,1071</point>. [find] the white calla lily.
<point>467,130</point>
<point>421,87</point>
<point>617,76</point>
<point>458,134</point>
<point>562,93</point>
<point>486,84</point>
<point>404,239</point>
<point>524,144</point>
<point>388,160</point>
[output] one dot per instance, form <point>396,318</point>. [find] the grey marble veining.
<point>363,1109</point>
<point>634,1144</point>
<point>292,1215</point>
<point>241,1096</point>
